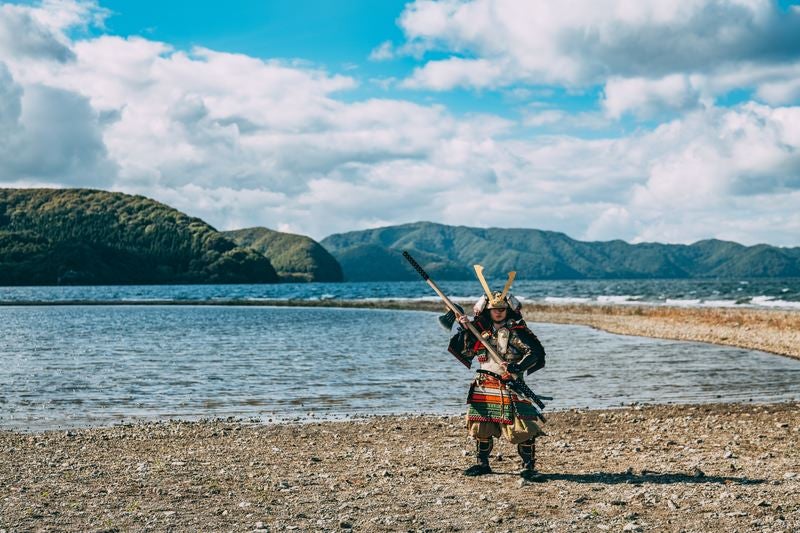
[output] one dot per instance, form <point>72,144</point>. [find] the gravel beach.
<point>644,468</point>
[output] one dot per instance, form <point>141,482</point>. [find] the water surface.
<point>92,365</point>
<point>764,292</point>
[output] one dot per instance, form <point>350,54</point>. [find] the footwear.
<point>482,451</point>
<point>527,451</point>
<point>479,469</point>
<point>528,474</point>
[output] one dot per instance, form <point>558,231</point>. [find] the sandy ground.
<point>775,331</point>
<point>663,468</point>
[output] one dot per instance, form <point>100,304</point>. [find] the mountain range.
<point>448,253</point>
<point>83,236</point>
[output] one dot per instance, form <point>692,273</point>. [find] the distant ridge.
<point>448,253</point>
<point>83,236</point>
<point>295,257</point>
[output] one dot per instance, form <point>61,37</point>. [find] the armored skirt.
<point>496,411</point>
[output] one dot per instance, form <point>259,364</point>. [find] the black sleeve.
<point>534,360</point>
<point>461,346</point>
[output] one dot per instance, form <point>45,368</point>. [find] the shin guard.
<point>527,451</point>
<point>482,451</point>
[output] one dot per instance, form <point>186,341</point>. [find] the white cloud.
<point>23,36</point>
<point>781,91</point>
<point>455,72</point>
<point>666,53</point>
<point>648,96</point>
<point>382,52</point>
<point>49,134</point>
<point>560,120</point>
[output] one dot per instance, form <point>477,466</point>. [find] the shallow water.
<point>94,365</point>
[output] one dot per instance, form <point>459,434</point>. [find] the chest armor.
<point>505,342</point>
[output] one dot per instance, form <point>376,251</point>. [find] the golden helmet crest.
<point>496,299</point>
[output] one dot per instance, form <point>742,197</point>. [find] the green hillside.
<point>81,236</point>
<point>448,252</point>
<point>295,257</point>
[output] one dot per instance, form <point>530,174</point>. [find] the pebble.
<point>672,505</point>
<point>632,526</point>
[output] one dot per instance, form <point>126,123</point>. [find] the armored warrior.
<point>495,409</point>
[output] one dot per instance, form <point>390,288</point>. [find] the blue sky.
<point>336,36</point>
<point>663,120</point>
<point>332,34</point>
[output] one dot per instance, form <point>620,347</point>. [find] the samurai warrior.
<point>496,410</point>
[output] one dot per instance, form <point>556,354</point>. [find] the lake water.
<point>779,292</point>
<point>70,366</point>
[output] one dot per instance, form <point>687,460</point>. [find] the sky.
<point>665,120</point>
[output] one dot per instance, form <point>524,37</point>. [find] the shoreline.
<point>711,467</point>
<point>775,331</point>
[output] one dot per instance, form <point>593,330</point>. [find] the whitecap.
<point>564,300</point>
<point>682,303</point>
<point>769,301</point>
<point>619,299</point>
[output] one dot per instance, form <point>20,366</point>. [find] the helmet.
<point>497,301</point>
<point>483,303</point>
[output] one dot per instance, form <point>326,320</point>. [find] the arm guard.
<point>461,347</point>
<point>527,343</point>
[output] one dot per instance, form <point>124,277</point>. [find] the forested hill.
<point>448,252</point>
<point>295,257</point>
<point>81,236</point>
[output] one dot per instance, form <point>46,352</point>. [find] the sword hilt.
<point>416,266</point>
